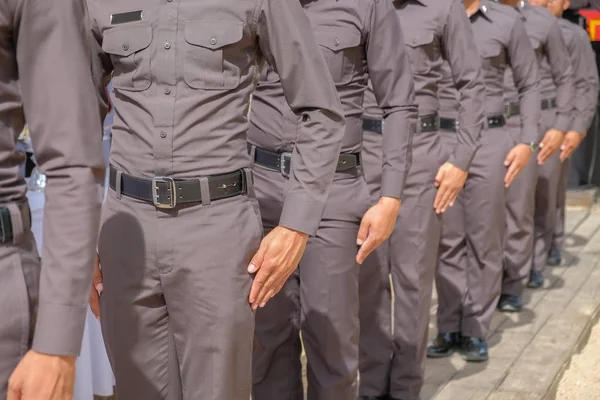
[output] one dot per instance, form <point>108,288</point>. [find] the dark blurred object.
<point>29,165</point>
<point>579,4</point>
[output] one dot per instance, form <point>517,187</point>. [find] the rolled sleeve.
<point>61,109</point>
<point>393,86</point>
<point>289,46</point>
<point>466,70</point>
<point>526,76</point>
<point>560,66</point>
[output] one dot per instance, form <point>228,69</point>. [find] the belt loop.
<point>118,182</point>
<point>16,220</point>
<point>252,152</point>
<point>204,191</point>
<point>248,177</point>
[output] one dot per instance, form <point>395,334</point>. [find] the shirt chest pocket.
<point>129,50</point>
<point>342,52</point>
<point>493,58</point>
<point>421,50</point>
<point>537,48</point>
<point>212,59</point>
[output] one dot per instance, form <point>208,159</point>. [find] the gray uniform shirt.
<point>183,72</point>
<point>553,60</point>
<point>502,42</point>
<point>45,78</point>
<point>434,31</point>
<point>585,75</point>
<point>358,39</point>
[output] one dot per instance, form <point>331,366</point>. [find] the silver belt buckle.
<point>285,158</point>
<point>157,184</point>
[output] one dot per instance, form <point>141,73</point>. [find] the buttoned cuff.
<point>562,123</point>
<point>392,183</point>
<point>302,213</point>
<point>59,329</point>
<point>580,127</point>
<point>462,157</point>
<point>532,134</point>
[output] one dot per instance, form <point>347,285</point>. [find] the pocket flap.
<point>417,39</point>
<point>126,40</point>
<point>338,39</point>
<point>491,51</point>
<point>213,34</point>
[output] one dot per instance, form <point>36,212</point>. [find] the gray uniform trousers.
<point>546,196</point>
<point>520,205</point>
<point>320,299</point>
<point>558,240</point>
<point>411,257</point>
<point>19,295</point>
<point>175,315</point>
<point>469,273</point>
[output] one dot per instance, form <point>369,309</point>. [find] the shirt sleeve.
<point>61,110</point>
<point>288,44</point>
<point>560,67</point>
<point>524,65</point>
<point>585,75</point>
<point>457,45</point>
<point>393,86</point>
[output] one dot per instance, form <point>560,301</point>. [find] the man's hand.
<point>376,226</point>
<point>278,256</point>
<point>570,144</point>
<point>96,289</point>
<point>516,160</point>
<point>449,181</point>
<point>549,144</point>
<point>42,377</point>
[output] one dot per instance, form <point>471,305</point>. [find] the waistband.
<point>513,109</point>
<point>491,122</point>
<point>168,192</point>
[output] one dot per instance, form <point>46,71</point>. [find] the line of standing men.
<point>193,300</point>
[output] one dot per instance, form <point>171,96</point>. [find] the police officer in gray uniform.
<point>585,82</point>
<point>544,35</point>
<point>469,275</point>
<point>359,41</point>
<point>434,31</point>
<point>557,103</point>
<point>45,79</point>
<point>181,227</point>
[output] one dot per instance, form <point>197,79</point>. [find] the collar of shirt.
<point>522,4</point>
<point>424,3</point>
<point>484,10</point>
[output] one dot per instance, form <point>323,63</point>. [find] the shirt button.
<point>163,134</point>
<point>213,41</point>
<point>167,91</point>
<point>167,45</point>
<point>125,46</point>
<point>337,42</point>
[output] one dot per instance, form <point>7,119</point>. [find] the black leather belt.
<point>496,121</point>
<point>548,103</point>
<point>512,109</point>
<point>427,123</point>
<point>167,192</point>
<point>282,162</point>
<point>448,124</point>
<point>6,222</point>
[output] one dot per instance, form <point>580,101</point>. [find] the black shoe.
<point>509,303</point>
<point>554,257</point>
<point>536,280</point>
<point>473,349</point>
<point>443,345</point>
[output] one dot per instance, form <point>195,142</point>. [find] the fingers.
<point>256,264</point>
<point>566,152</point>
<point>439,178</point>
<point>258,258</point>
<point>97,281</point>
<point>367,248</point>
<point>95,303</point>
<point>510,157</point>
<point>267,284</point>
<point>544,154</point>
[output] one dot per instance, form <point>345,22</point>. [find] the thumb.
<point>258,258</point>
<point>14,389</point>
<point>363,231</point>
<point>97,280</point>
<point>439,177</point>
<point>510,157</point>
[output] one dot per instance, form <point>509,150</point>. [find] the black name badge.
<point>124,18</point>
